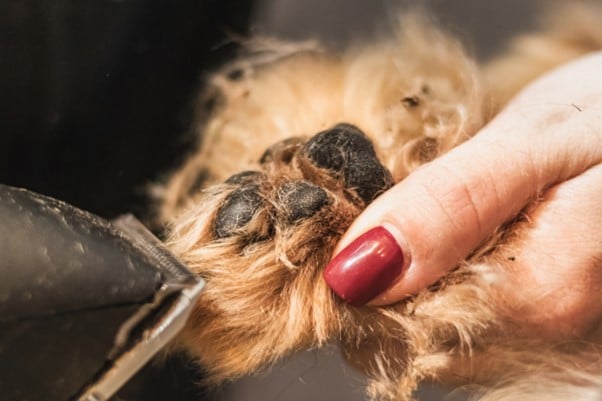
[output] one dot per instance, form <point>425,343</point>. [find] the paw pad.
<point>301,200</point>
<point>345,150</point>
<point>299,179</point>
<point>237,211</point>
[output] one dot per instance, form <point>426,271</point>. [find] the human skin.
<point>546,144</point>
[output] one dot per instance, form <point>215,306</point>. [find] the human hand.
<point>547,142</point>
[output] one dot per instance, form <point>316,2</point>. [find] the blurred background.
<point>96,102</point>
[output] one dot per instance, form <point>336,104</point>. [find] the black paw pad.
<point>282,151</point>
<point>238,209</point>
<point>345,150</point>
<point>301,200</point>
<point>368,178</point>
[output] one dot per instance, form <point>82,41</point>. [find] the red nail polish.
<point>366,267</point>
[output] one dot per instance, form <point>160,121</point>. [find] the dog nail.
<point>366,267</point>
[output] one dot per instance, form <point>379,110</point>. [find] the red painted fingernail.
<point>366,267</point>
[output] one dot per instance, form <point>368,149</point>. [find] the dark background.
<point>96,95</point>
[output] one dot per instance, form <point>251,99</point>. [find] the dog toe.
<point>237,211</point>
<point>348,154</point>
<point>301,200</point>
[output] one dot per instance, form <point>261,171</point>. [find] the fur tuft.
<point>415,97</point>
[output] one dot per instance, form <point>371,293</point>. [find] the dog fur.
<point>415,96</point>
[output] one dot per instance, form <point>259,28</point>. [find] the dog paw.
<point>299,182</point>
<point>261,239</point>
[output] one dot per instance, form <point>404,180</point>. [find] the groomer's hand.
<point>547,141</point>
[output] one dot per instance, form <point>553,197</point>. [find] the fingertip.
<point>376,269</point>
<point>366,267</point>
<point>363,251</point>
<point>411,282</point>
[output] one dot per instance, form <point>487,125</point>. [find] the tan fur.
<point>416,96</point>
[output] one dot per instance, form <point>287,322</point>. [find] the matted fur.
<point>415,96</point>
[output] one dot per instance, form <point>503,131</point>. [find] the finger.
<point>554,283</point>
<point>423,226</point>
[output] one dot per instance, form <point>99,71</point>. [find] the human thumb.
<point>422,227</point>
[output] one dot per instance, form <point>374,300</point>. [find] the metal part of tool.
<point>169,310</point>
<point>84,303</point>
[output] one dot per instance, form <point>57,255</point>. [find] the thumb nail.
<point>366,267</point>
